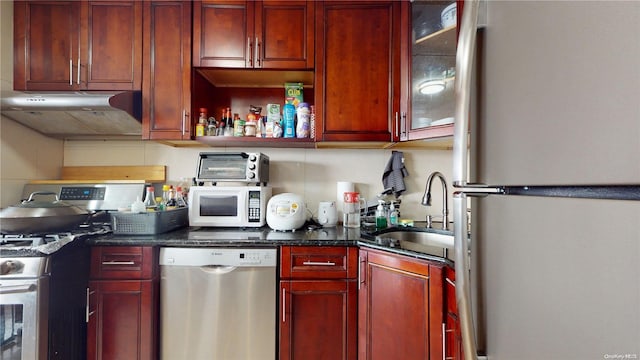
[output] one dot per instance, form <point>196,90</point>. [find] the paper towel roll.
<point>341,188</point>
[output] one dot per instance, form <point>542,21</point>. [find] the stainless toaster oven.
<point>238,167</point>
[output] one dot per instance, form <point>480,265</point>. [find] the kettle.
<point>286,212</point>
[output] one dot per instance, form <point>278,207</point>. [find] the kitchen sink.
<point>420,240</point>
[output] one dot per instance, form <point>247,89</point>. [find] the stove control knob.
<point>10,266</point>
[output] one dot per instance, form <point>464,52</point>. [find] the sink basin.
<point>432,243</point>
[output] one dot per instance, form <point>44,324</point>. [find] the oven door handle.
<point>12,289</point>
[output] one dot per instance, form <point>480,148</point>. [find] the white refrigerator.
<point>547,157</point>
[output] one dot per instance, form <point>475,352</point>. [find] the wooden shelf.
<point>255,78</point>
<point>441,42</point>
<point>250,141</point>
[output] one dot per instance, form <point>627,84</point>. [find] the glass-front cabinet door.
<point>429,60</point>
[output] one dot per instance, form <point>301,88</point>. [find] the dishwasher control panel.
<point>218,257</point>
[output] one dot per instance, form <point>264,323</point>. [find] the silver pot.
<point>36,217</point>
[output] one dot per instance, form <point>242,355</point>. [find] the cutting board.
<point>150,173</point>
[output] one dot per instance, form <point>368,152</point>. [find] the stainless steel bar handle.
<point>249,52</point>
<point>78,79</point>
<point>118,263</point>
<point>444,342</point>
<point>257,53</point>
<point>70,72</point>
<point>316,263</point>
<point>87,313</point>
<point>284,294</point>
<point>464,65</point>
<point>359,271</point>
<point>10,289</point>
<point>184,120</point>
<point>461,259</point>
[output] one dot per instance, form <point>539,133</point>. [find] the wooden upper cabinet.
<point>428,57</point>
<point>166,94</point>
<point>253,34</point>
<point>78,45</point>
<point>357,77</point>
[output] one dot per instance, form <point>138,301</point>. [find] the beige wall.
<point>24,154</point>
<point>313,173</point>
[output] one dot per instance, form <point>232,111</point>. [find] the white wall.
<point>24,154</point>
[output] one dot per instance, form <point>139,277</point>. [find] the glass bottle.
<point>150,199</point>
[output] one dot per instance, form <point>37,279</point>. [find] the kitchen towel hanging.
<point>394,173</point>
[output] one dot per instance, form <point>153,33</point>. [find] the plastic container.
<point>303,112</point>
<point>393,215</point>
<point>288,120</point>
<point>150,199</point>
<point>149,223</point>
<point>381,216</point>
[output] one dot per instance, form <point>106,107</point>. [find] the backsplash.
<point>312,173</point>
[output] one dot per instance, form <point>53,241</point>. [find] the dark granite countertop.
<point>266,237</point>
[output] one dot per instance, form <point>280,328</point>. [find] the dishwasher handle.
<point>217,269</point>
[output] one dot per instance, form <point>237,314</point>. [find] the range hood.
<point>77,114</point>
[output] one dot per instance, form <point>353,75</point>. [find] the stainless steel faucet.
<point>426,199</point>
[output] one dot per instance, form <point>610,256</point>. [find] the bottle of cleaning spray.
<point>381,216</point>
<point>393,215</point>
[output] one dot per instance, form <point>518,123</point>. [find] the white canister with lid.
<point>303,112</point>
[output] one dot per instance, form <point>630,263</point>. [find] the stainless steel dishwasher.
<point>218,303</point>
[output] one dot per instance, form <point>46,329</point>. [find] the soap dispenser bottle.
<point>381,216</point>
<point>393,215</point>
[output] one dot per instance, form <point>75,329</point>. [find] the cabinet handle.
<point>444,343</point>
<point>316,263</point>
<point>359,270</point>
<point>70,72</point>
<point>118,263</point>
<point>87,313</point>
<point>283,305</point>
<point>404,125</point>
<point>396,125</point>
<point>361,276</point>
<point>257,53</point>
<point>450,282</point>
<point>78,79</point>
<point>184,118</point>
<point>249,52</point>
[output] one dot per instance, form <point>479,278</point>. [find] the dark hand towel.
<point>394,173</point>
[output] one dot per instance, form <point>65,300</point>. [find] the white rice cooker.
<point>286,212</point>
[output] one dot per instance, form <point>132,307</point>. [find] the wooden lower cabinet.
<point>452,333</point>
<point>400,310</point>
<point>318,313</point>
<point>122,304</point>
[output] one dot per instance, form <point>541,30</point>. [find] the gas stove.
<point>98,198</point>
<point>21,245</point>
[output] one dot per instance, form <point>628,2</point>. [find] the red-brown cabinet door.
<point>166,84</point>
<point>318,319</point>
<point>223,33</point>
<point>121,320</point>
<point>46,38</point>
<point>284,32</point>
<point>111,45</point>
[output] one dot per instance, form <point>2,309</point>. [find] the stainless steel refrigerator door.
<point>556,278</point>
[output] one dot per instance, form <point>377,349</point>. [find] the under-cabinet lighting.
<point>431,87</point>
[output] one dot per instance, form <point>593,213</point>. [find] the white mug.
<point>327,213</point>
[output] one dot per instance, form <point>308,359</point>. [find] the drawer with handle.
<point>123,262</point>
<point>315,262</point>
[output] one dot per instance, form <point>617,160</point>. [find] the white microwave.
<point>228,206</point>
